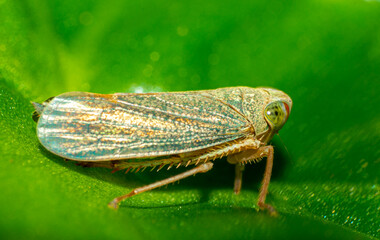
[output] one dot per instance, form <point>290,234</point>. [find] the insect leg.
<point>266,151</point>
<point>256,155</point>
<point>199,169</point>
<point>239,168</point>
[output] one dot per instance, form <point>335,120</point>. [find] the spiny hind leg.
<point>205,167</point>
<point>255,155</point>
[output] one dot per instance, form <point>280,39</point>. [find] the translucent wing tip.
<point>38,107</point>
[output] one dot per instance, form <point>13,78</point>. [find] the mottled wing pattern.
<point>91,127</point>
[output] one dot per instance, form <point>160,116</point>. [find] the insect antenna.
<point>283,144</point>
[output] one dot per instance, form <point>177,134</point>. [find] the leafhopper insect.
<point>133,131</point>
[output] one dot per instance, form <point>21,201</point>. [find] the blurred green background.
<point>324,54</point>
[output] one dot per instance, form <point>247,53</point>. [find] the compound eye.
<point>276,114</point>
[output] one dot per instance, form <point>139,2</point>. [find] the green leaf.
<point>324,54</point>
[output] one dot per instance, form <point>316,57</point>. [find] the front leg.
<point>268,152</point>
<point>255,155</point>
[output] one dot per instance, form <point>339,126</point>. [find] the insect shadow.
<point>220,177</point>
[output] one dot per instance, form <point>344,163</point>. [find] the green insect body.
<point>135,131</point>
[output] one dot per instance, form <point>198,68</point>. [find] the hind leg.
<point>205,167</point>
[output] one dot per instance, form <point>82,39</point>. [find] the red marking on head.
<point>287,108</point>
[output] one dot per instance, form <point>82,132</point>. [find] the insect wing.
<point>91,127</point>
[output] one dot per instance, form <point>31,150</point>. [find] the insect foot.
<point>267,207</point>
<point>113,204</point>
